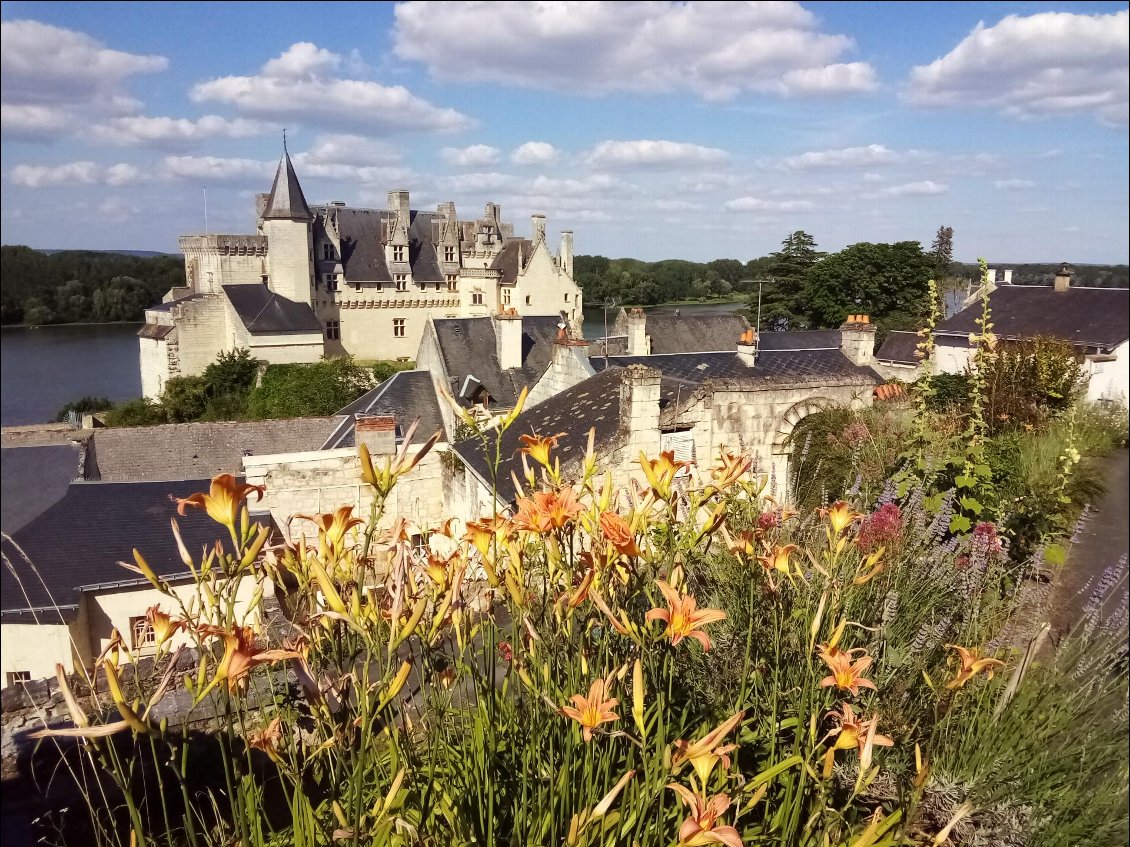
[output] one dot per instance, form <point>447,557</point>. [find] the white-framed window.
<point>18,676</point>
<point>333,330</point>
<point>449,254</point>
<point>505,296</point>
<point>398,327</point>
<point>398,253</point>
<point>453,282</point>
<point>401,282</point>
<point>327,250</point>
<point>477,298</point>
<point>331,281</point>
<point>141,633</point>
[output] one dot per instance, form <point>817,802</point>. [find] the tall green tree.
<point>781,306</point>
<point>889,282</point>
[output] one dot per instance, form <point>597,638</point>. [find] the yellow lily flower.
<point>241,655</point>
<point>701,826</point>
<point>618,533</point>
<point>852,731</point>
<point>547,510</point>
<point>538,447</point>
<point>162,624</point>
<point>267,739</point>
<point>847,674</point>
<point>661,472</point>
<point>972,663</point>
<point>778,559</point>
<point>839,516</point>
<point>731,468</point>
<point>333,527</point>
<point>683,617</point>
<point>593,710</point>
<point>223,500</point>
<point>705,753</point>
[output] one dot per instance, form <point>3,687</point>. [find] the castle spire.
<point>286,200</point>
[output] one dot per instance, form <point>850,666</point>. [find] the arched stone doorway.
<point>782,448</point>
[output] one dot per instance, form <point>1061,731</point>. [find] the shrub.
<point>385,368</point>
<point>88,403</point>
<point>233,373</point>
<point>184,398</point>
<point>1029,381</point>
<point>299,390</point>
<point>139,412</point>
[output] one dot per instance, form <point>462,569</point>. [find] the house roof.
<point>362,248</point>
<point>773,367</point>
<point>469,349</point>
<point>900,348</point>
<point>286,200</point>
<point>421,251</point>
<point>155,331</point>
<point>1091,317</point>
<point>689,333</point>
<point>406,395</point>
<point>514,252</point>
<point>168,304</point>
<point>813,339</point>
<point>31,479</point>
<point>80,540</point>
<point>264,311</point>
<point>197,450</point>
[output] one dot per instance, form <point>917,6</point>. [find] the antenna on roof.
<point>284,139</point>
<point>759,284</point>
<point>205,210</point>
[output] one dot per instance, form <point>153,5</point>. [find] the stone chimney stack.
<point>857,339</point>
<point>565,254</point>
<point>446,210</point>
<point>398,204</point>
<point>508,339</point>
<point>377,432</point>
<point>639,409</point>
<point>1063,277</point>
<point>747,348</point>
<point>537,229</point>
<point>638,344</point>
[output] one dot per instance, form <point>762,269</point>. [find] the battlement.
<point>224,245</point>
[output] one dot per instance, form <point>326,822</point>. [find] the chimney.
<point>261,206</point>
<point>377,432</point>
<point>398,204</point>
<point>747,348</point>
<point>446,210</point>
<point>508,339</point>
<point>639,408</point>
<point>857,339</point>
<point>565,254</point>
<point>537,228</point>
<point>638,344</point>
<point>1063,277</point>
<point>1007,277</point>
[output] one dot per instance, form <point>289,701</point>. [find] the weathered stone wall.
<point>214,260</point>
<point>570,366</point>
<point>290,258</point>
<point>543,288</point>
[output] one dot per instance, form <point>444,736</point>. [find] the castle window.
<point>331,282</point>
<point>327,251</point>
<point>141,633</point>
<point>505,296</point>
<point>333,330</point>
<point>529,299</point>
<point>18,676</point>
<point>453,282</point>
<point>398,253</point>
<point>449,254</point>
<point>566,298</point>
<point>398,327</point>
<point>439,286</point>
<point>477,298</point>
<point>401,282</point>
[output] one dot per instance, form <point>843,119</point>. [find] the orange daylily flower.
<point>162,625</point>
<point>618,533</point>
<point>852,731</point>
<point>701,826</point>
<point>847,674</point>
<point>482,533</point>
<point>267,739</point>
<point>547,510</point>
<point>223,500</point>
<point>661,472</point>
<point>744,545</point>
<point>683,617</point>
<point>731,468</point>
<point>840,516</point>
<point>334,526</point>
<point>440,570</point>
<point>538,447</point>
<point>706,752</point>
<point>778,559</point>
<point>972,663</point>
<point>241,655</point>
<point>590,712</point>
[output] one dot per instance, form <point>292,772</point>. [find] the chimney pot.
<point>376,432</point>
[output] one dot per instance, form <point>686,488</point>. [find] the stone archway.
<point>782,449</point>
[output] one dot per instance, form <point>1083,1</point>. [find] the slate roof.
<point>197,450</point>
<point>79,540</point>
<point>773,367</point>
<point>900,348</point>
<point>286,200</point>
<point>31,479</point>
<point>509,260</point>
<point>155,331</point>
<point>1091,317</point>
<point>168,304</point>
<point>813,339</point>
<point>690,333</point>
<point>406,395</point>
<point>421,251</point>
<point>469,348</point>
<point>264,311</point>
<point>362,250</point>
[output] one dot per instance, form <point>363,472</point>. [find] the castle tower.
<point>287,223</point>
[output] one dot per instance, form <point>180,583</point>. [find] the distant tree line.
<point>74,286</point>
<point>637,283</point>
<point>1086,276</point>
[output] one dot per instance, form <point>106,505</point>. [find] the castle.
<point>333,280</point>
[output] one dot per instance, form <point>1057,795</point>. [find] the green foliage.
<point>385,368</point>
<point>941,252</point>
<point>300,390</point>
<point>139,412</point>
<point>76,286</point>
<point>1028,381</point>
<point>1089,276</point>
<point>88,403</point>
<point>879,280</point>
<point>233,373</point>
<point>781,296</point>
<point>632,282</point>
<point>184,398</point>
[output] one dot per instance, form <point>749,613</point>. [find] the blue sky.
<point>654,130</point>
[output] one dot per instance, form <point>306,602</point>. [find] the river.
<point>44,368</point>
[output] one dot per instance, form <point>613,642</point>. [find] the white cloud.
<point>716,50</point>
<point>475,156</point>
<point>301,86</point>
<point>923,188</point>
<point>474,183</point>
<point>758,204</point>
<point>676,206</point>
<point>347,149</point>
<point>849,157</point>
<point>218,168</point>
<point>534,153</point>
<point>654,154</point>
<point>75,173</point>
<point>58,80</point>
<point>1014,184</point>
<point>175,132</point>
<point>1050,63</point>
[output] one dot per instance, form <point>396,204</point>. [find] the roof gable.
<point>263,311</point>
<point>406,395</point>
<point>286,200</point>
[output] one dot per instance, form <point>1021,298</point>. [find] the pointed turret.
<point>286,201</point>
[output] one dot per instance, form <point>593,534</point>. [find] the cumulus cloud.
<point>217,168</point>
<point>1014,184</point>
<point>57,80</point>
<point>475,156</point>
<point>849,157</point>
<point>75,173</point>
<point>612,154</point>
<point>303,86</point>
<point>346,149</point>
<point>1050,63</point>
<point>758,204</point>
<point>167,132</point>
<point>534,153</point>
<point>715,50</point>
<point>921,188</point>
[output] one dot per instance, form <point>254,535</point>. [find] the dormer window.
<point>453,282</point>
<point>505,296</point>
<point>449,254</point>
<point>328,251</point>
<point>398,253</point>
<point>401,282</point>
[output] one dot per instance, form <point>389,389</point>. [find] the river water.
<point>44,368</point>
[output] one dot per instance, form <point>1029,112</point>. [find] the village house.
<point>334,280</point>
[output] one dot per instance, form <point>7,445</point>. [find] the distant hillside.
<point>1086,276</point>
<point>72,286</point>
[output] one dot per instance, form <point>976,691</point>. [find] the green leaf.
<point>964,481</point>
<point>1055,554</point>
<point>932,503</point>
<point>961,524</point>
<point>970,504</point>
<point>983,471</point>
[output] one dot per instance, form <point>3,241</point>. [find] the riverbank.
<point>137,322</point>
